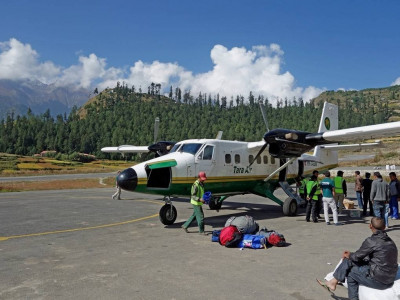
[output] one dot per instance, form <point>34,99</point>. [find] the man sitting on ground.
<point>373,265</point>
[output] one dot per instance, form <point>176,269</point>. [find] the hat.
<point>202,176</point>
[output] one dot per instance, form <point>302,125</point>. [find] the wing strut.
<point>280,168</point>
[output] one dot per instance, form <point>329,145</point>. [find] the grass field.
<point>15,165</point>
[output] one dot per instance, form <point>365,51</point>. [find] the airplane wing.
<point>353,146</point>
<point>126,149</point>
<point>358,133</point>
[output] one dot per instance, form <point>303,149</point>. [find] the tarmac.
<point>81,244</point>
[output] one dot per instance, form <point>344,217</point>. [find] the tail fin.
<point>329,121</point>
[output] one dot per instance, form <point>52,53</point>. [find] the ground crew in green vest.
<point>313,192</point>
<point>319,205</point>
<point>340,190</point>
<point>302,187</point>
<point>196,199</point>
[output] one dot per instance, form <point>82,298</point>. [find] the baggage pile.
<point>244,232</point>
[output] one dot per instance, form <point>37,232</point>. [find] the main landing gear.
<point>290,207</point>
<point>168,212</point>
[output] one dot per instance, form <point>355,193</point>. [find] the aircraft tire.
<point>168,214</point>
<point>289,207</point>
<point>215,204</point>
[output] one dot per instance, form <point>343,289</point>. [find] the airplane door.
<point>205,160</point>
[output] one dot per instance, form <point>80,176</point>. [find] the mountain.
<point>18,96</point>
<point>386,99</point>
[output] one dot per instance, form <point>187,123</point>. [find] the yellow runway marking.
<point>4,238</point>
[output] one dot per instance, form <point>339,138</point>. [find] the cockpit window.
<point>176,146</point>
<point>208,152</point>
<point>190,148</point>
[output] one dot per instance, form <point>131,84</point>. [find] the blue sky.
<point>306,46</point>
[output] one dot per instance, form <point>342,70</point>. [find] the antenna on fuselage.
<point>219,135</point>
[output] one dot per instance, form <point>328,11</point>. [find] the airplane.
<point>236,168</point>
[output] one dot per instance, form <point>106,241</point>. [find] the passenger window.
<point>259,160</point>
<point>237,159</point>
<point>228,158</point>
<point>265,159</point>
<point>272,160</point>
<point>251,157</point>
<point>208,152</point>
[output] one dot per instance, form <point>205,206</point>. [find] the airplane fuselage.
<point>226,164</point>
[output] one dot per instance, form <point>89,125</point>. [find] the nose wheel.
<point>168,212</point>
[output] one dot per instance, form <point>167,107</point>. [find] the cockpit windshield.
<point>176,146</point>
<point>190,148</point>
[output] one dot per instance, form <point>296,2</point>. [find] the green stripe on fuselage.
<point>258,187</point>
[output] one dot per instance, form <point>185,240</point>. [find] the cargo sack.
<point>245,224</point>
<point>230,236</point>
<point>253,241</point>
<point>272,237</point>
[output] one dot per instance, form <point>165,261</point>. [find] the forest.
<point>125,116</point>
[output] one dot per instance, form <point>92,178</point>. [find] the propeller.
<point>156,127</point>
<point>159,147</point>
<point>264,115</point>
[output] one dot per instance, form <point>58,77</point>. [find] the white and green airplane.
<point>235,167</point>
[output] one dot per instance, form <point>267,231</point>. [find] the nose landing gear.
<point>168,212</point>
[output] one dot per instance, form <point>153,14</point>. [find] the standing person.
<point>340,190</point>
<point>379,197</point>
<point>328,191</point>
<point>117,194</point>
<point>302,187</point>
<point>358,189</point>
<point>313,192</point>
<point>373,265</point>
<point>197,201</point>
<point>394,188</point>
<point>318,206</point>
<point>366,183</point>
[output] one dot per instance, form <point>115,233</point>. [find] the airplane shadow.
<point>259,212</point>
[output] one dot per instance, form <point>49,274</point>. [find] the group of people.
<point>329,193</point>
<point>381,197</point>
<point>375,263</point>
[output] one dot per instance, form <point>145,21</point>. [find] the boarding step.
<point>291,192</point>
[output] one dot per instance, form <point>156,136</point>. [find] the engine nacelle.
<point>287,149</point>
<point>161,148</point>
<point>284,143</point>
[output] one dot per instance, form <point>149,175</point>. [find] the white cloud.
<point>236,71</point>
<point>396,82</point>
<point>19,61</point>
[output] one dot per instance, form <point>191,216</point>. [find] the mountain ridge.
<point>17,96</point>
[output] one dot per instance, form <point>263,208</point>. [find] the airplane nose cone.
<point>128,179</point>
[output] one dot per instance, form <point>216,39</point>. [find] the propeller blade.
<point>156,126</point>
<point>259,153</point>
<point>264,115</point>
